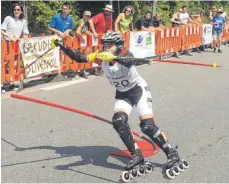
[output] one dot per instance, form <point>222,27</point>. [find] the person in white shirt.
<point>184,16</point>
<point>15,26</point>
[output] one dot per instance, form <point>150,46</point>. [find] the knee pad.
<point>149,128</point>
<point>119,121</point>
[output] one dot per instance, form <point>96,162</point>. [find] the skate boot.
<point>136,167</point>
<point>174,164</point>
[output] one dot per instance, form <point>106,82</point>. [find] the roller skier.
<point>131,90</point>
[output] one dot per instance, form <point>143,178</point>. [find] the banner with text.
<point>35,47</point>
<point>142,44</point>
<point>207,34</point>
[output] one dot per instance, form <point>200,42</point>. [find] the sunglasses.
<point>17,9</point>
<point>128,11</point>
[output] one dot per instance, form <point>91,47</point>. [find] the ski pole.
<point>108,56</point>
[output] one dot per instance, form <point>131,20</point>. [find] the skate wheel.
<point>148,167</point>
<point>170,173</point>
<point>185,164</point>
<point>141,170</point>
<point>134,174</point>
<point>181,167</point>
<point>176,171</point>
<point>12,79</point>
<point>125,176</point>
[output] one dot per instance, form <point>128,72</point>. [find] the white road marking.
<point>64,84</point>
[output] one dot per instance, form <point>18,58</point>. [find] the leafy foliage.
<point>41,12</point>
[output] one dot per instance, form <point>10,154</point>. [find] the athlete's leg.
<point>147,124</point>
<point>120,124</point>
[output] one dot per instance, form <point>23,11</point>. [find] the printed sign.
<point>207,34</point>
<point>33,48</point>
<point>142,44</point>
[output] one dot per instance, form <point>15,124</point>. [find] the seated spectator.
<point>124,21</point>
<point>145,23</point>
<point>86,26</point>
<point>176,19</point>
<point>61,24</point>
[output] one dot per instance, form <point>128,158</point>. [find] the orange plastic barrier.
<point>225,36</point>
<point>192,37</point>
<point>168,40</point>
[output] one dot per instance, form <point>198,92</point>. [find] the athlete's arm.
<point>76,55</point>
<point>129,61</point>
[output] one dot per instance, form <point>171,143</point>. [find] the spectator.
<point>61,24</point>
<point>224,14</point>
<point>15,26</point>
<point>145,23</point>
<point>124,21</point>
<point>157,21</point>
<point>86,26</point>
<point>184,16</point>
<point>176,19</point>
<point>212,13</point>
<point>218,23</point>
<point>199,18</point>
<point>103,21</point>
<point>102,24</point>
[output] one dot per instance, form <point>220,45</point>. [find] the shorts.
<point>217,32</point>
<point>138,96</point>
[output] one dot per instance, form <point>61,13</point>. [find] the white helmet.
<point>113,37</point>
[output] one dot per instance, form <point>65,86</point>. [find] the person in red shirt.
<point>103,21</point>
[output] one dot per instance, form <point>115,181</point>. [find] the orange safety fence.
<point>225,36</point>
<point>191,37</point>
<point>167,40</point>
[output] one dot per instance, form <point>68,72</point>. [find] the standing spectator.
<point>124,21</point>
<point>15,26</point>
<point>145,23</point>
<point>212,13</point>
<point>103,21</point>
<point>224,14</point>
<point>218,23</point>
<point>199,18</point>
<point>102,24</point>
<point>85,27</point>
<point>176,19</point>
<point>157,21</point>
<point>61,24</point>
<point>184,16</point>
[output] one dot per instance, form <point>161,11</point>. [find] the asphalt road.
<point>42,144</point>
